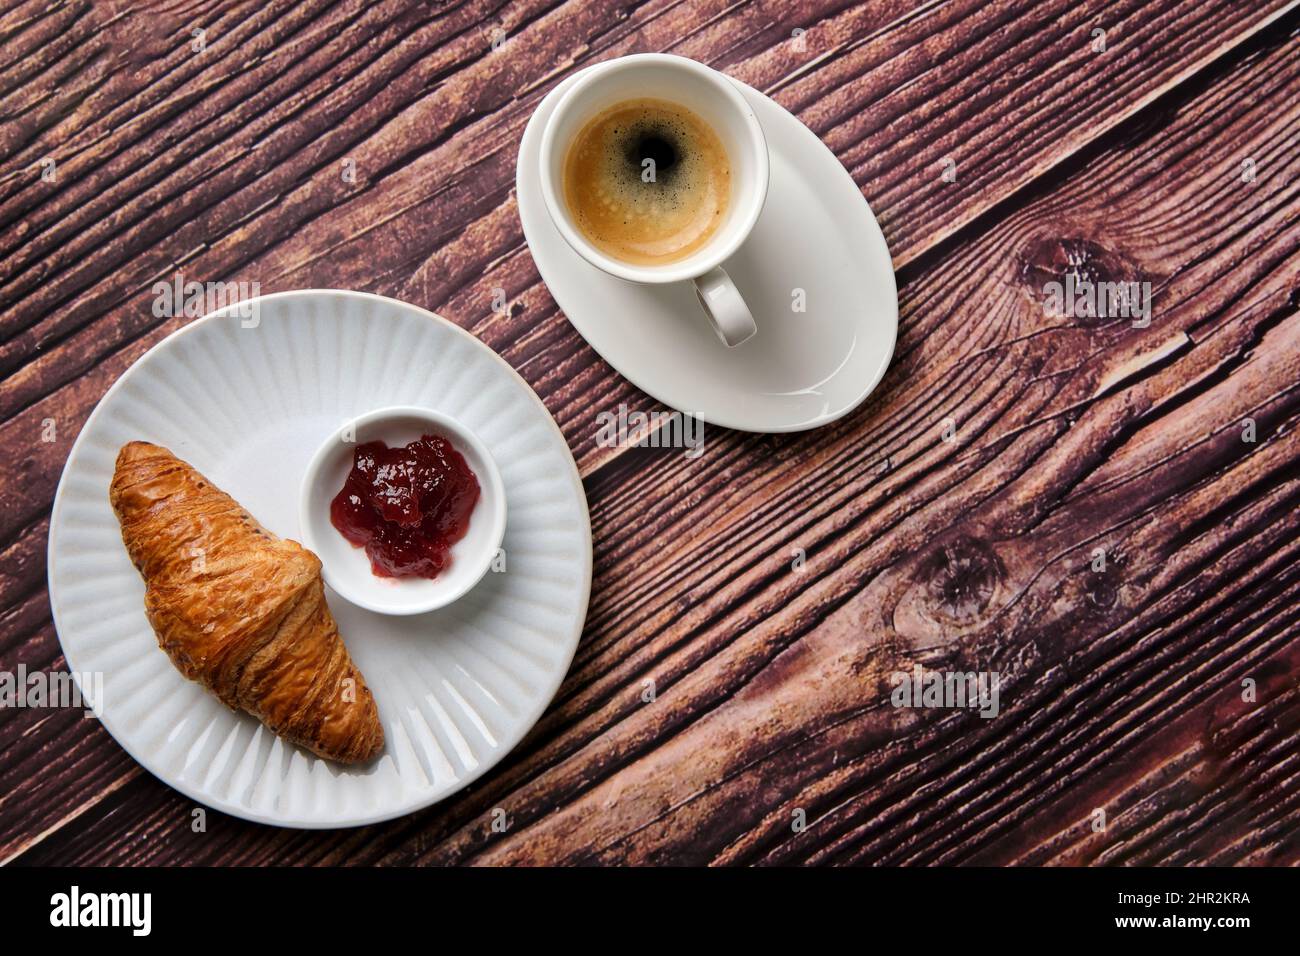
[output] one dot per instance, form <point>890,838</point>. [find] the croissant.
<point>240,610</point>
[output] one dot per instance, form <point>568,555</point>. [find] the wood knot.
<point>1081,280</point>
<point>959,580</point>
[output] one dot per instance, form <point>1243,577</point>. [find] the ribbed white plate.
<point>456,688</point>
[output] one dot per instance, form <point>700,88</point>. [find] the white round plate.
<point>457,688</point>
<point>816,244</point>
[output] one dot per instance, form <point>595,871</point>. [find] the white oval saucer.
<point>816,244</point>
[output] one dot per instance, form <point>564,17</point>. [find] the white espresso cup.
<point>716,100</point>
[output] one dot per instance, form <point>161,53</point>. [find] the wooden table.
<point>1104,514</point>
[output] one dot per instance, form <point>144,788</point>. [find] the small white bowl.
<point>346,567</point>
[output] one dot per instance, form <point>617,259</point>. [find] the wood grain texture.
<point>771,684</point>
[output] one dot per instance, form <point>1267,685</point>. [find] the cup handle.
<point>725,307</point>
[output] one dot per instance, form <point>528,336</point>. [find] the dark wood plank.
<point>1123,689</point>
<point>246,193</point>
<point>250,186</point>
<point>977,555</point>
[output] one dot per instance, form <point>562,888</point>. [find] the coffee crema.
<point>647,181</point>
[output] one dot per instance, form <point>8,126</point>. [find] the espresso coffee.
<point>647,181</point>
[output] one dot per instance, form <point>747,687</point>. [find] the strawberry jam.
<point>406,506</point>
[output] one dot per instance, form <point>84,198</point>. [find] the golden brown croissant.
<point>238,609</point>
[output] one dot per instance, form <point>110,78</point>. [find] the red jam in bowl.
<point>406,506</point>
